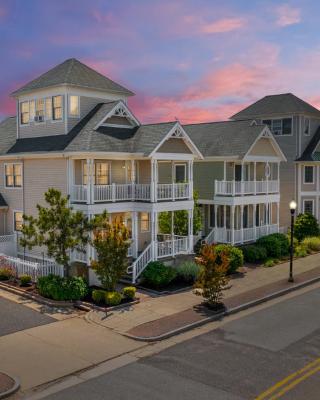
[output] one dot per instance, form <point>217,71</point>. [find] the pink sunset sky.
<point>192,60</point>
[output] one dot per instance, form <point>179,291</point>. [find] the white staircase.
<point>140,263</point>
<point>209,239</point>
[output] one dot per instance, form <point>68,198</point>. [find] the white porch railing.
<point>8,245</point>
<point>238,236</point>
<point>34,269</point>
<point>130,192</point>
<point>140,263</point>
<point>238,188</point>
<point>169,247</point>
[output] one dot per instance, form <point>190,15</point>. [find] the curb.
<point>220,315</point>
<point>14,388</point>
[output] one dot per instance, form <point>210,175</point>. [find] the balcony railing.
<point>240,188</point>
<point>223,235</point>
<point>129,192</point>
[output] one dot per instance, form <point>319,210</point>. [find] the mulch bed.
<point>200,312</point>
<point>6,383</point>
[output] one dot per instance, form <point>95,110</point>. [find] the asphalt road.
<point>16,317</point>
<point>239,362</point>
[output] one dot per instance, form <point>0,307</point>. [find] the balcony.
<point>245,188</point>
<point>130,192</point>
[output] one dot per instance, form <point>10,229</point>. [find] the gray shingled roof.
<point>83,137</point>
<point>279,104</point>
<point>309,153</point>
<point>227,138</point>
<point>73,72</point>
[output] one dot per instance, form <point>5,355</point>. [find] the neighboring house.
<point>238,180</point>
<point>294,124</point>
<point>74,132</point>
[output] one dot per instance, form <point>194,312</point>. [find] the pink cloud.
<point>223,25</point>
<point>287,15</point>
<point>3,12</point>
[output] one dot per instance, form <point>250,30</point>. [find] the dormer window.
<point>74,106</point>
<point>56,108</point>
<point>279,127</point>
<point>39,115</point>
<point>24,115</point>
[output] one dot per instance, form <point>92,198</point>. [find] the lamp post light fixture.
<point>292,206</point>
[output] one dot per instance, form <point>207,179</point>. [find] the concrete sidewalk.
<point>156,308</point>
<point>48,352</point>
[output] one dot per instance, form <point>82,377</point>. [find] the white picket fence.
<point>34,269</point>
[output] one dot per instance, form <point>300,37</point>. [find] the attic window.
<point>279,127</point>
<point>57,108</point>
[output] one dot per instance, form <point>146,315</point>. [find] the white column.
<point>89,179</point>
<point>190,178</point>
<point>255,177</point>
<point>152,183</point>
<point>154,234</point>
<point>173,180</point>
<point>267,166</point>
<point>172,233</point>
<point>215,216</point>
<point>224,170</point>
<point>232,224</point>
<point>135,234</point>
<point>70,177</point>
<point>241,221</point>
<point>224,217</point>
<point>254,208</point>
<point>190,230</point>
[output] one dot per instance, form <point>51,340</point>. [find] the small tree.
<point>180,220</point>
<point>57,227</point>
<point>305,225</point>
<point>111,242</point>
<point>212,277</point>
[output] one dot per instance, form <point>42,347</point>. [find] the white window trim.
<point>304,126</point>
<point>14,220</point>
<point>83,163</point>
<point>312,200</point>
<point>73,116</point>
<point>4,176</point>
<point>304,175</point>
<point>175,171</point>
<point>149,223</point>
<point>20,108</point>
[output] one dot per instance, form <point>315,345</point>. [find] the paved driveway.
<point>16,317</point>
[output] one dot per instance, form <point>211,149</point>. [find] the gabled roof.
<point>309,153</point>
<point>279,104</point>
<point>224,139</point>
<point>74,73</point>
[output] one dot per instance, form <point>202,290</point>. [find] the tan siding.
<point>263,147</point>
<point>118,172</point>
<point>144,238</point>
<point>144,171</point>
<point>174,146</point>
<point>307,187</point>
<point>205,174</point>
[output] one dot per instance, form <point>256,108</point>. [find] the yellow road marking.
<point>289,378</point>
<point>294,383</point>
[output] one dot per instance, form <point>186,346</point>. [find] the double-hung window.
<point>101,175</point>
<point>308,174</point>
<point>74,106</point>
<point>13,175</point>
<point>57,108</point>
<point>308,206</point>
<point>180,171</point>
<point>145,222</point>
<point>39,115</point>
<point>17,221</point>
<point>24,113</point>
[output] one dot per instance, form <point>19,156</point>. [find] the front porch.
<point>239,224</point>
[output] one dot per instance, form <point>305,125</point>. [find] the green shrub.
<point>188,271</point>
<point>129,292</point>
<point>306,225</point>
<point>6,273</point>
<point>58,288</point>
<point>312,243</point>
<point>25,280</point>
<point>270,262</point>
<point>234,256</point>
<point>158,275</point>
<point>276,245</point>
<point>254,253</point>
<point>98,296</point>
<point>301,251</point>
<point>112,298</point>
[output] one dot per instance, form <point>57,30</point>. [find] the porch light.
<point>293,206</point>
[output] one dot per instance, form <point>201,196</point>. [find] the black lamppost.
<point>293,206</point>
